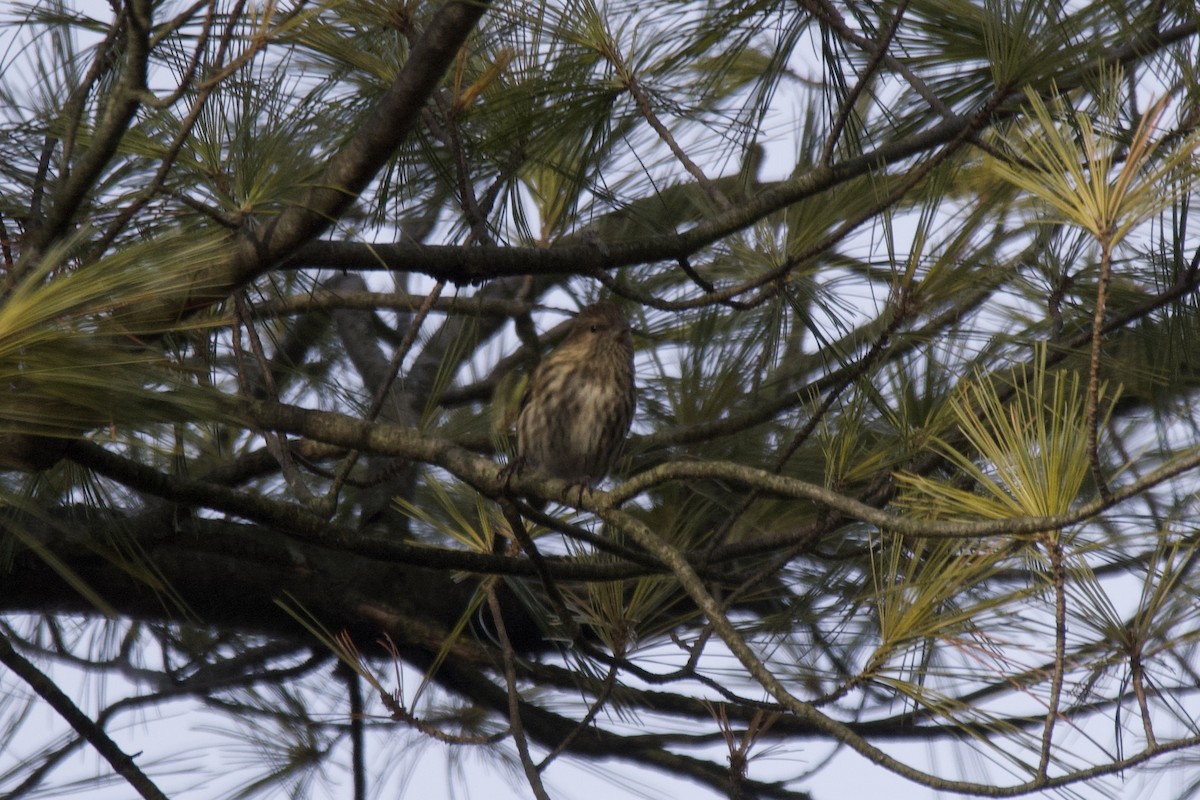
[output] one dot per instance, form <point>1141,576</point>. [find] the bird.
<point>578,405</point>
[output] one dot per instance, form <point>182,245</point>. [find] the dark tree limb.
<point>48,690</point>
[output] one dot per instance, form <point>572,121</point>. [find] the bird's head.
<point>601,322</point>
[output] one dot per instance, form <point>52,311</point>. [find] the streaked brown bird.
<point>578,405</point>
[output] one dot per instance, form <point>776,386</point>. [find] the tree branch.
<point>121,763</point>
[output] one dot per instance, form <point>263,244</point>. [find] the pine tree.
<point>912,289</point>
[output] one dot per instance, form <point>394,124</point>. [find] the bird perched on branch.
<point>579,403</point>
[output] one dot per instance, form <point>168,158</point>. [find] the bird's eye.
<point>595,327</point>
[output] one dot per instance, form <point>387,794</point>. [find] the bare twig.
<point>514,700</point>
<point>48,690</point>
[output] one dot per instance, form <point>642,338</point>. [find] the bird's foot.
<point>509,471</point>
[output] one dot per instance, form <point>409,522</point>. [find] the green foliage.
<point>1024,448</point>
<point>73,338</point>
<point>913,290</point>
<point>1070,167</point>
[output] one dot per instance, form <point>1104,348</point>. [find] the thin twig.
<point>514,699</point>
<point>634,86</point>
<point>48,690</point>
<point>606,688</point>
<point>517,525</point>
<point>1138,678</point>
<point>825,10</point>
<point>276,443</point>
<point>1093,383</point>
<point>1058,575</point>
<point>880,51</point>
<point>382,392</point>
